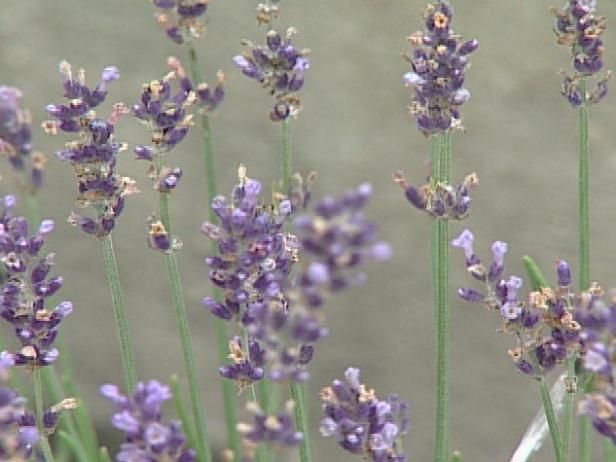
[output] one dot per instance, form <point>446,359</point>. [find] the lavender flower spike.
<point>180,18</point>
<point>93,152</point>
<point>580,28</point>
<point>438,63</point>
<point>139,416</point>
<point>27,288</point>
<point>280,68</point>
<point>362,423</point>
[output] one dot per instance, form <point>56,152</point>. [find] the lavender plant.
<point>278,261</point>
<point>438,64</point>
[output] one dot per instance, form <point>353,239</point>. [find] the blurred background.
<point>521,141</point>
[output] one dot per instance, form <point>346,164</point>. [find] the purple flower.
<point>279,67</point>
<point>362,423</point>
<point>546,324</point>
<point>25,290</point>
<point>580,28</point>
<point>93,154</point>
<point>181,18</point>
<point>140,417</point>
<point>277,430</point>
<point>440,200</point>
<point>438,62</point>
<point>16,137</point>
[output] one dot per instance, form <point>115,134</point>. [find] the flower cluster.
<point>180,18</point>
<point>544,325</point>
<point>18,432</point>
<point>16,136</point>
<point>93,153</point>
<point>255,258</point>
<point>580,28</point>
<point>598,321</point>
<point>362,423</point>
<point>440,199</point>
<point>25,290</point>
<point>165,113</point>
<point>140,417</point>
<point>279,67</point>
<point>277,430</point>
<point>334,241</point>
<point>438,63</point>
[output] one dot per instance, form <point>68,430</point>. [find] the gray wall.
<point>521,141</point>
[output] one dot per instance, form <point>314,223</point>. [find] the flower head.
<point>362,423</point>
<point>181,18</point>
<point>546,323</point>
<point>93,153</point>
<point>26,290</point>
<point>438,62</point>
<point>280,68</point>
<point>579,28</point>
<point>140,417</point>
<point>16,137</point>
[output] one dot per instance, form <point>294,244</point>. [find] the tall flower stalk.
<point>580,28</point>
<point>438,63</point>
<point>166,114</point>
<point>93,155</point>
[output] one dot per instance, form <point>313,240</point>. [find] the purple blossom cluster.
<point>18,432</point>
<point>334,241</point>
<point>255,258</point>
<point>26,287</point>
<point>544,324</point>
<point>438,63</point>
<point>166,114</point>
<point>93,153</point>
<point>362,423</point>
<point>580,28</point>
<point>181,18</point>
<point>276,430</point>
<point>439,199</point>
<point>139,416</point>
<point>598,320</point>
<point>280,68</point>
<point>16,137</point>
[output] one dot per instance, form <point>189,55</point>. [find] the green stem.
<point>187,423</point>
<point>583,181</point>
<point>287,156</point>
<point>119,310</point>
<point>551,418</point>
<point>609,451</point>
<point>181,316</point>
<point>301,420</point>
<point>40,411</point>
<point>222,336</point>
<point>570,387</point>
<point>584,441</point>
<point>76,445</point>
<point>440,272</point>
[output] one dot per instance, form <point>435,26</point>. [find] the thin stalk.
<point>584,240</point>
<point>75,444</point>
<point>551,418</point>
<point>609,450</point>
<point>119,311</point>
<point>260,452</point>
<point>583,180</point>
<point>222,336</point>
<point>181,316</point>
<point>180,408</point>
<point>584,441</point>
<point>104,455</point>
<point>82,417</point>
<point>570,387</point>
<point>40,410</point>
<point>301,420</point>
<point>287,156</point>
<point>440,271</point>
